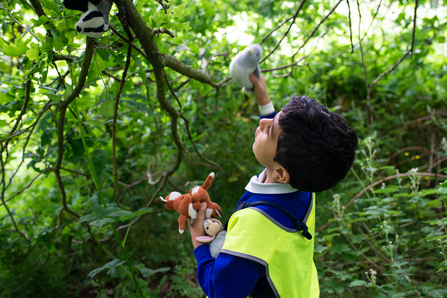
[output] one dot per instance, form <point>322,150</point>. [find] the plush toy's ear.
<point>205,239</point>
<point>81,5</point>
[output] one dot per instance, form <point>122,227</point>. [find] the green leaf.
<point>358,283</point>
<point>180,11</point>
<point>138,106</point>
<point>34,52</point>
<point>42,20</point>
<point>107,109</point>
<point>18,49</point>
<point>54,96</point>
<point>100,160</point>
<point>95,123</point>
<point>52,6</point>
<point>400,264</point>
<point>99,210</point>
<point>112,264</point>
<point>101,222</point>
<point>137,213</point>
<point>88,217</point>
<point>47,136</point>
<point>120,213</point>
<point>146,272</point>
<point>143,211</point>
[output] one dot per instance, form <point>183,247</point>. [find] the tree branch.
<point>115,115</point>
<point>60,130</point>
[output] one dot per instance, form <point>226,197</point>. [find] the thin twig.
<point>350,26</point>
<point>414,27</point>
<point>287,32</point>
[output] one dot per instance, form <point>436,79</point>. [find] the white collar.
<point>256,186</point>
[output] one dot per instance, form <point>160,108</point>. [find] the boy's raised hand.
<point>260,92</point>
<point>196,228</point>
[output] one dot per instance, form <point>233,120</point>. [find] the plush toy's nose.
<point>79,29</point>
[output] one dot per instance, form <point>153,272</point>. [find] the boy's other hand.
<point>260,92</point>
<point>196,228</point>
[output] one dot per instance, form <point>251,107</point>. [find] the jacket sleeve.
<point>226,276</point>
<point>269,116</point>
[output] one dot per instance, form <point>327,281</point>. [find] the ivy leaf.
<point>101,222</point>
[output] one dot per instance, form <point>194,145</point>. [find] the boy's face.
<point>266,141</point>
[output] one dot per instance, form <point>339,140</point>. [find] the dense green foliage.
<point>66,232</point>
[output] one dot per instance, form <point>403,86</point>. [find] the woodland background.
<point>92,131</point>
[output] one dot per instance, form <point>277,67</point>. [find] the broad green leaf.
<point>137,213</point>
<point>120,213</point>
<point>99,210</point>
<point>88,217</point>
<point>34,52</point>
<point>180,11</point>
<point>95,123</point>
<point>47,136</point>
<point>357,283</point>
<point>52,6</point>
<point>138,105</point>
<point>19,48</point>
<point>101,222</point>
<point>100,160</point>
<point>107,109</point>
<point>112,264</point>
<point>146,272</point>
<point>42,20</point>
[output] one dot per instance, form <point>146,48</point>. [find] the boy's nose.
<point>264,123</point>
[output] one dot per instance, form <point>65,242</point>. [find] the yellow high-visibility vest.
<point>285,253</point>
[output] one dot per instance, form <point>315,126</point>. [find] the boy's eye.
<point>268,130</point>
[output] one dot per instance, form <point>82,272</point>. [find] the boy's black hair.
<point>316,146</point>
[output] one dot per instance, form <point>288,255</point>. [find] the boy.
<point>268,249</point>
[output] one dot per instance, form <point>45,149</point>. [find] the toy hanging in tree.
<point>95,18</point>
<point>245,63</point>
<point>188,204</point>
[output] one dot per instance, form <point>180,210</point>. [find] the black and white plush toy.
<point>95,20</point>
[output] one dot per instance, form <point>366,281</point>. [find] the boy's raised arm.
<point>261,95</point>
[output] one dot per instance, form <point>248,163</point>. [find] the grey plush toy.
<point>245,63</point>
<point>216,236</point>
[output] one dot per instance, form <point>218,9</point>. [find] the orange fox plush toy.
<point>188,204</point>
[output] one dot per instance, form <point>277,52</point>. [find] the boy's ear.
<point>281,175</point>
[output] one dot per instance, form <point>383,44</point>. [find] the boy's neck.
<point>268,177</point>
